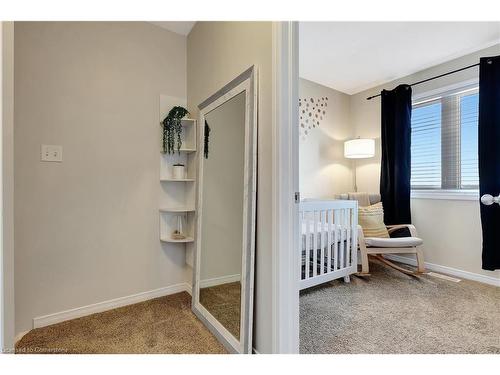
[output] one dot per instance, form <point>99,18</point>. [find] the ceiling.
<point>179,27</point>
<point>354,56</point>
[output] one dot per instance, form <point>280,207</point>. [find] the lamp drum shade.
<point>360,148</point>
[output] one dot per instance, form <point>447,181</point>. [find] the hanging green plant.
<point>172,129</point>
<point>205,143</point>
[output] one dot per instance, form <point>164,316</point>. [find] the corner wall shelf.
<point>177,209</point>
<point>187,150</point>
<point>177,179</point>
<point>171,240</point>
<point>176,206</point>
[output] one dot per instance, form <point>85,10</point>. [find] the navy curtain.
<point>489,157</point>
<point>396,155</point>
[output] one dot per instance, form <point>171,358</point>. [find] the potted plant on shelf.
<point>172,129</point>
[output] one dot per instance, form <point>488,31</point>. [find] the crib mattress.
<point>323,228</point>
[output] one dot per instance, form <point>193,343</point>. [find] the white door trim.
<point>284,185</point>
<point>7,320</point>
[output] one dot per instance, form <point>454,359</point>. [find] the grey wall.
<point>324,171</point>
<point>86,229</point>
<point>451,229</point>
<point>217,53</point>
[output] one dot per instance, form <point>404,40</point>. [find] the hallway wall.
<point>86,229</point>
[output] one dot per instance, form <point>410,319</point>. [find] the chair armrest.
<point>361,239</point>
<point>411,228</point>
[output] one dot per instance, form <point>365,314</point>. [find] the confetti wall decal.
<point>312,111</point>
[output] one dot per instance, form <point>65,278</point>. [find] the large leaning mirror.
<point>225,230</point>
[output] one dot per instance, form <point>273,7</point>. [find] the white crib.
<point>329,241</point>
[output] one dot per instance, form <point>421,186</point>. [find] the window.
<point>444,142</point>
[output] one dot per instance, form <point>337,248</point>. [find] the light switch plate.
<point>51,153</point>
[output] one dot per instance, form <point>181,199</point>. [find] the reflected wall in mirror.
<point>223,280</point>
<point>222,215</point>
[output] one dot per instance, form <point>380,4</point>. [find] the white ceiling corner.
<point>179,27</point>
<point>354,56</point>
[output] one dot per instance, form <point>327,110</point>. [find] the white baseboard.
<point>219,280</point>
<point>448,270</point>
<point>78,312</point>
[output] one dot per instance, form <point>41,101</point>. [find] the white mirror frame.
<point>245,82</point>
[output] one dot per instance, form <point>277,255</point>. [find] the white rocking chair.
<point>378,247</point>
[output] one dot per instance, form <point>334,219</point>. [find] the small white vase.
<point>178,172</point>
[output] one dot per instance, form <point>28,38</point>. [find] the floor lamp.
<point>359,148</point>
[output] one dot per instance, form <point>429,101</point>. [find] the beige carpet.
<point>161,325</point>
<point>224,303</point>
<point>394,313</point>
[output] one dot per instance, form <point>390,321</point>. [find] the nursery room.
<point>399,187</point>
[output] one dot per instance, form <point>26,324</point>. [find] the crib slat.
<point>322,240</point>
<point>335,246</point>
<point>308,245</point>
<point>301,242</point>
<point>315,249</point>
<point>329,218</point>
<point>342,238</point>
<point>348,234</point>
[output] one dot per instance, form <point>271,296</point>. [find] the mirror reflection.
<point>222,213</point>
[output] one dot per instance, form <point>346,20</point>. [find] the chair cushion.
<point>371,219</point>
<point>393,242</point>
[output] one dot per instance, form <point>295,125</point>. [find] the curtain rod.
<point>430,79</point>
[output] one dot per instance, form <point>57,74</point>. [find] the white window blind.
<point>444,152</point>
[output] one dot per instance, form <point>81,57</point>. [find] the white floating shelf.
<point>171,240</point>
<point>177,209</point>
<point>177,179</point>
<point>184,150</point>
<point>184,122</point>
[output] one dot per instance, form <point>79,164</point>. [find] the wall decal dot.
<point>314,109</point>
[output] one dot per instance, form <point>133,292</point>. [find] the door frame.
<point>285,184</point>
<point>7,319</point>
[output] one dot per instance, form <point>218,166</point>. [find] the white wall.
<point>217,53</point>
<point>7,317</point>
<point>87,229</point>
<point>324,171</point>
<point>451,229</point>
<point>223,185</point>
